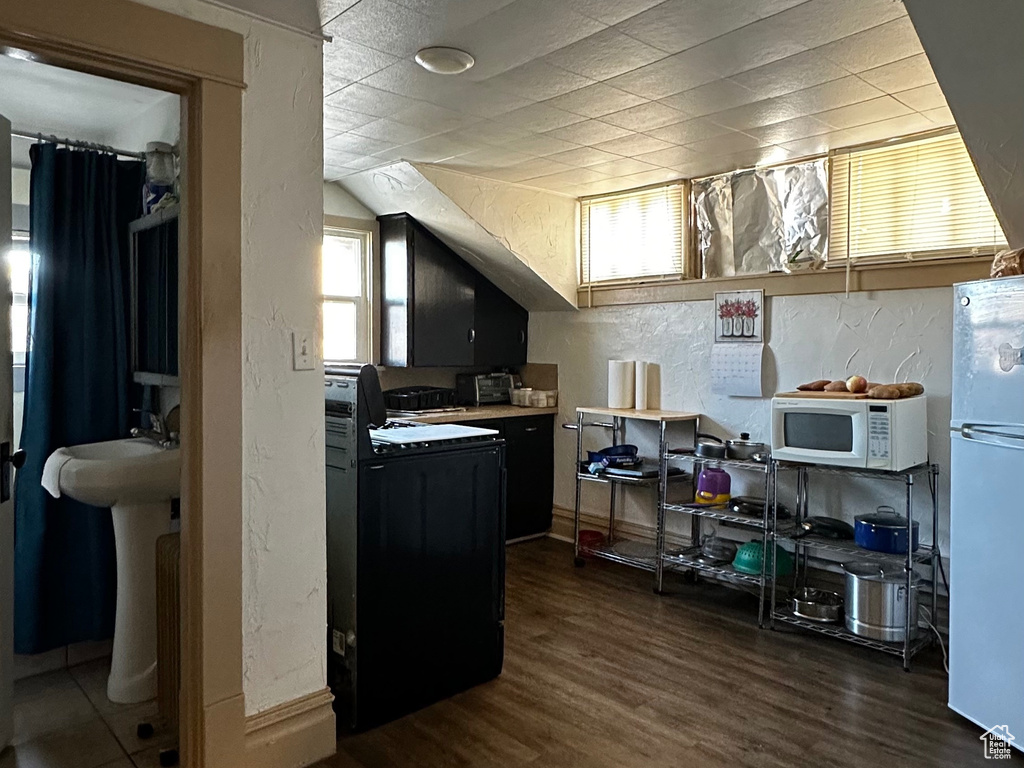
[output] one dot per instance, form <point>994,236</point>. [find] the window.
<point>346,290</point>
<point>918,199</point>
<point>632,235</point>
<point>19,269</point>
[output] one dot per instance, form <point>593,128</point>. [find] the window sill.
<point>870,277</point>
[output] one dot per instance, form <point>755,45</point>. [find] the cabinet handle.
<point>472,335</point>
<point>531,429</point>
<point>522,337</point>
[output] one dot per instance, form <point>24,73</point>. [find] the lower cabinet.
<point>530,465</point>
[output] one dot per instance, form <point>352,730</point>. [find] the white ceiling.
<point>588,96</point>
<point>38,98</point>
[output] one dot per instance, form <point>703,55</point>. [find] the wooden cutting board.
<point>832,395</point>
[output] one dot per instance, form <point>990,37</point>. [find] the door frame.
<point>127,41</point>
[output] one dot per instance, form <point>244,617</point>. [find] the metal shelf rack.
<point>685,559</point>
<point>615,419</point>
<point>926,554</point>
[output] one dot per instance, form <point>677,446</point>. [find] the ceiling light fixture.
<point>444,61</point>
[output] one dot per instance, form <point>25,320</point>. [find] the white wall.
<point>338,202</point>
<point>160,122</point>
<point>886,336</point>
<point>284,557</point>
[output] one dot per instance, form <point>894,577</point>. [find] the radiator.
<point>168,627</point>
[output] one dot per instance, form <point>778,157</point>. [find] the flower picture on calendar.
<point>739,316</point>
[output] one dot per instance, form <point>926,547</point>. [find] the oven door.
<point>817,431</point>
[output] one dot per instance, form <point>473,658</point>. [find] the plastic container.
<point>533,398</point>
<point>590,539</point>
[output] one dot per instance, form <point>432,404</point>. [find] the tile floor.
<point>63,719</point>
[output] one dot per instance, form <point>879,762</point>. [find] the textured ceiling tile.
<point>340,120</point>
<point>346,61</point>
<point>590,132</point>
<point>906,73</point>
<point>766,8</point>
<point>385,26</point>
<point>539,166</point>
<point>747,48</point>
<point>865,112</point>
<point>794,73</point>
<point>605,54</point>
<point>790,130</point>
<point>759,113</point>
<point>666,77</point>
<point>438,119</point>
<point>407,78</point>
<point>488,132</point>
<point>336,157</point>
<point>519,32</point>
<point>832,95</point>
<point>358,145</point>
<point>541,145</point>
<point>583,157</point>
<point>668,158</point>
<point>455,13</point>
<point>676,25</point>
<point>725,144</point>
<point>886,129</point>
<point>645,117</point>
<point>611,11</point>
<point>819,22</point>
<point>923,98</point>
<point>645,178</point>
<point>390,131</point>
<point>634,146</point>
<point>598,188</point>
<point>624,166</point>
<point>941,116</point>
<point>595,100</point>
<point>478,101</point>
<point>540,118</point>
<point>493,157</point>
<point>330,9</point>
<point>716,96</point>
<point>537,80</point>
<point>689,131</point>
<point>363,162</point>
<point>572,176</point>
<point>874,47</point>
<point>369,101</point>
<point>433,149</point>
<point>808,147</point>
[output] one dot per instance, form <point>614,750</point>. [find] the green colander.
<point>748,559</point>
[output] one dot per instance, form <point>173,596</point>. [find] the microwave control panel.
<point>878,433</point>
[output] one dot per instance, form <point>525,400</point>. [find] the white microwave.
<point>845,432</point>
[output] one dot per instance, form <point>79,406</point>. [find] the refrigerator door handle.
<point>993,436</point>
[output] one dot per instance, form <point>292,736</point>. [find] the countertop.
<point>474,414</point>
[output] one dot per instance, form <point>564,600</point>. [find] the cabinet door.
<point>444,288</point>
<point>501,327</point>
<point>531,474</point>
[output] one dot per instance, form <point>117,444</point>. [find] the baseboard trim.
<point>562,528</point>
<point>294,734</point>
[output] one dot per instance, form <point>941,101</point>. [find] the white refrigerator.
<point>986,613</point>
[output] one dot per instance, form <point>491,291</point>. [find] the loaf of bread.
<point>815,386</point>
<point>884,392</point>
<point>836,386</point>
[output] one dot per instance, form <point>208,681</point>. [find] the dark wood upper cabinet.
<point>436,310</point>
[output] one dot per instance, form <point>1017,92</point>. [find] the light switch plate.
<point>302,352</point>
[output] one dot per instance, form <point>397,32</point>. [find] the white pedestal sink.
<point>136,478</point>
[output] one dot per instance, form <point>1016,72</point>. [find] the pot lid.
<point>744,439</point>
<point>885,517</point>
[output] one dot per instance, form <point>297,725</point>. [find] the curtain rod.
<point>78,144</point>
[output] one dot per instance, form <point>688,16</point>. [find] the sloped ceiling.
<point>591,96</point>
<point>540,275</point>
<point>977,54</point>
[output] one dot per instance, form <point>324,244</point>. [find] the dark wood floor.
<point>601,672</point>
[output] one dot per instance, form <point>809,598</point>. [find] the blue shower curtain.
<point>76,388</point>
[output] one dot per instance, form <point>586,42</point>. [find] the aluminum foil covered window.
<point>764,220</point>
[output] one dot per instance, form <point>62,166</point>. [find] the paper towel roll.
<point>640,399</point>
<point>621,380</point>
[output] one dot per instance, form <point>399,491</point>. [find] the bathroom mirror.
<point>154,297</point>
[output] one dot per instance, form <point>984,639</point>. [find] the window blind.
<point>632,235</point>
<point>920,199</point>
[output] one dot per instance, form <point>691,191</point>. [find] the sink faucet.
<point>158,432</point>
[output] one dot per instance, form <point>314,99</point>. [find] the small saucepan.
<point>884,531</point>
<point>709,447</point>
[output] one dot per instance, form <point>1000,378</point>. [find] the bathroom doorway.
<point>93,273</point>
<point>202,65</point>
